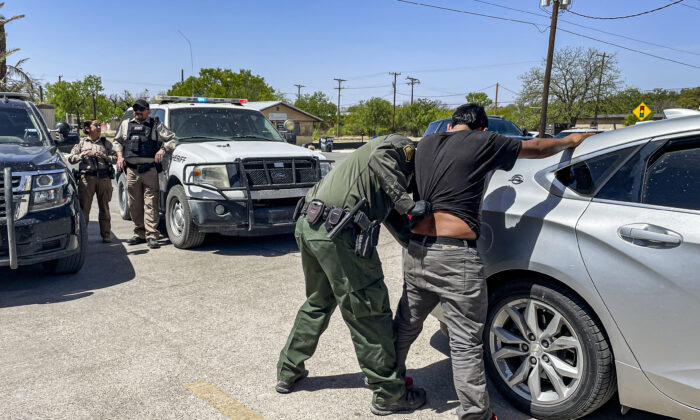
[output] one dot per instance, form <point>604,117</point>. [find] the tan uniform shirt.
<point>86,145</point>
<point>164,134</point>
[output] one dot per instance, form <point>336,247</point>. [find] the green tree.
<point>224,83</point>
<point>479,98</point>
<point>318,104</point>
<point>414,118</point>
<point>372,117</point>
<point>689,98</point>
<point>576,75</point>
<point>76,97</point>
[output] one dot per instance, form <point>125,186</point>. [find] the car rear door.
<point>640,242</point>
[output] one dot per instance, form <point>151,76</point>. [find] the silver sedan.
<point>593,267</point>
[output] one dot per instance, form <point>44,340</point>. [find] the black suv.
<point>40,217</point>
<point>496,123</point>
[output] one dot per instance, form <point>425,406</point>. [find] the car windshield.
<point>504,127</point>
<point>216,124</point>
<point>19,126</point>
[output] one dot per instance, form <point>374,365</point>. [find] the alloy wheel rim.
<point>536,351</point>
<point>122,192</point>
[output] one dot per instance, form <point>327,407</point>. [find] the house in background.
<point>278,112</point>
<point>609,121</point>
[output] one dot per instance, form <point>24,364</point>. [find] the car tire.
<point>123,197</point>
<point>182,230</point>
<point>570,359</point>
<point>71,264</point>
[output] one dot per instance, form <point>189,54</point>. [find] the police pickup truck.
<point>232,172</point>
<point>40,217</point>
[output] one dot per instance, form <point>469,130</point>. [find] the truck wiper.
<point>201,138</point>
<point>252,137</point>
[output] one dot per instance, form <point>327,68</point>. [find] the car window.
<point>221,123</point>
<point>586,177</point>
<point>443,126</point>
<point>504,127</point>
<point>160,114</point>
<point>673,179</point>
<point>18,125</point>
<point>432,127</point>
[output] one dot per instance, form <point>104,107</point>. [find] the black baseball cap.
<point>141,103</point>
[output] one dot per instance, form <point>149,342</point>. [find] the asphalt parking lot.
<point>129,335</point>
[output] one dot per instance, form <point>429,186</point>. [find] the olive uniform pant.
<point>88,186</point>
<point>336,277</point>
<point>451,276</point>
<point>143,190</point>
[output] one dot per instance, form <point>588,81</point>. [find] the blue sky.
<point>136,45</point>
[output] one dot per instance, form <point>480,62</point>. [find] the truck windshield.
<point>216,124</point>
<point>19,126</point>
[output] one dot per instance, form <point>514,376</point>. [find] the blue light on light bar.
<point>200,99</point>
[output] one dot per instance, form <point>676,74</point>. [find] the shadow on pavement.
<point>106,265</point>
<point>266,246</point>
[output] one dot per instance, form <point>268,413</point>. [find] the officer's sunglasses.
<point>139,109</point>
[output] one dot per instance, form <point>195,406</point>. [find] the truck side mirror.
<point>63,130</point>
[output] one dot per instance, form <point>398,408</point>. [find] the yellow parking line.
<point>222,401</point>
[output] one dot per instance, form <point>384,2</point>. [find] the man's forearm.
<point>542,148</point>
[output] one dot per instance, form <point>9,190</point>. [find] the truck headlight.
<point>325,168</point>
<point>48,190</point>
<point>214,175</point>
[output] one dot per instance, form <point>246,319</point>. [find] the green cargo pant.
<point>336,277</point>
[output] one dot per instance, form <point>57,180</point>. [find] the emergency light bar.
<point>164,99</point>
<point>19,95</point>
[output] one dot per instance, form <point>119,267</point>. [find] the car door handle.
<point>649,233</point>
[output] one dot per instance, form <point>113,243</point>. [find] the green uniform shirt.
<point>379,171</point>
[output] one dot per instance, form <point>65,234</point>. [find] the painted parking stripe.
<point>222,401</point>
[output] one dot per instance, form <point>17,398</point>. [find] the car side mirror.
<point>62,128</point>
<point>526,133</point>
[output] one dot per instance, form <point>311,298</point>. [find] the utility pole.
<point>337,124</point>
<point>299,90</point>
<point>41,93</point>
<point>182,75</point>
<point>60,76</point>
<point>393,118</point>
<point>556,4</point>
<point>600,81</point>
<point>495,103</point>
<point>412,81</point>
<point>94,108</point>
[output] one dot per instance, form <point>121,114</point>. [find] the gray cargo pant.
<point>451,276</point>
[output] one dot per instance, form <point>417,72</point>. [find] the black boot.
<point>412,399</point>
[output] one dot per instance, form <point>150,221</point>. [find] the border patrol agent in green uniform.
<point>346,272</point>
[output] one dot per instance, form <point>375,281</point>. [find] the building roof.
<point>263,105</point>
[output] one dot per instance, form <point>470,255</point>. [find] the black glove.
<point>420,211</point>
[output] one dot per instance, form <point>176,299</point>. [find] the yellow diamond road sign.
<point>642,111</point>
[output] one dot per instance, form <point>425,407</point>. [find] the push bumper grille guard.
<point>10,217</point>
<point>245,184</point>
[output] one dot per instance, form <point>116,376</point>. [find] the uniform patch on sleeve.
<point>408,151</point>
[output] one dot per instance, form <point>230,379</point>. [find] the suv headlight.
<point>214,175</point>
<point>325,168</point>
<point>48,190</point>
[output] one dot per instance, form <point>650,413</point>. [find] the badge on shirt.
<point>408,151</point>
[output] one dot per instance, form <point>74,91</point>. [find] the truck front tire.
<point>71,264</point>
<point>123,197</point>
<point>182,231</point>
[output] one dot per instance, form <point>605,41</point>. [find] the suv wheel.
<point>546,351</point>
<point>123,197</point>
<point>73,263</point>
<point>182,231</point>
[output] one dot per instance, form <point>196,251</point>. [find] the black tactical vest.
<point>141,139</point>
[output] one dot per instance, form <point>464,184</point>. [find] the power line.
<point>567,31</point>
<point>628,16</point>
<point>547,15</point>
<point>692,7</point>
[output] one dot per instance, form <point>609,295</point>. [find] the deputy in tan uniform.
<point>140,144</point>
<point>95,156</point>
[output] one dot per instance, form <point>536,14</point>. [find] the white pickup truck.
<point>232,172</point>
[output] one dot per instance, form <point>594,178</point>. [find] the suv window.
<point>432,127</point>
<point>160,114</point>
<point>18,125</point>
<point>221,124</point>
<point>673,180</point>
<point>504,127</point>
<point>586,177</point>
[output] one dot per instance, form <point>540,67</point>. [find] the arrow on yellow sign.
<point>642,111</point>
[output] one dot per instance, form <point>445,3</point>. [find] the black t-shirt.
<point>451,169</point>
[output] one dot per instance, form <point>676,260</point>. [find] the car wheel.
<point>73,263</point>
<point>123,197</point>
<point>546,351</point>
<point>182,231</point>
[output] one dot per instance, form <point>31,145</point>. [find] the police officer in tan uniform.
<point>140,144</point>
<point>95,156</point>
